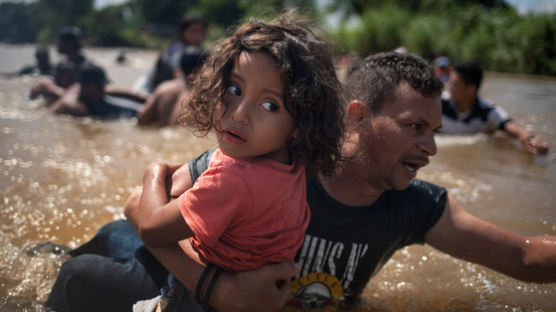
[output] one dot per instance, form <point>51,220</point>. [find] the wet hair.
<point>470,73</point>
<point>375,80</point>
<point>188,20</point>
<point>192,58</point>
<point>92,74</point>
<point>41,52</point>
<point>311,88</point>
<point>72,34</point>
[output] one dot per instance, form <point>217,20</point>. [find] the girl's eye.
<point>234,90</point>
<point>271,107</point>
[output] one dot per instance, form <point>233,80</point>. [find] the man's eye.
<point>234,90</point>
<point>271,107</point>
<point>416,126</point>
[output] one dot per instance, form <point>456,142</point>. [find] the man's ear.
<point>356,112</point>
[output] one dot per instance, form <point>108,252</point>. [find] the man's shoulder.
<point>484,103</point>
<point>449,108</point>
<point>420,188</point>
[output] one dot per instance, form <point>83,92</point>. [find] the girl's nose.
<point>240,113</point>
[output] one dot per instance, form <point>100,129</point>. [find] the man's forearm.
<point>539,260</point>
<point>187,270</point>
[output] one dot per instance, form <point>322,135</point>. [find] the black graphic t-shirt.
<point>345,246</point>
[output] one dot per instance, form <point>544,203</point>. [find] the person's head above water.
<point>465,81</point>
<point>69,40</point>
<point>192,29</point>
<point>92,79</point>
<point>64,74</point>
<point>265,70</point>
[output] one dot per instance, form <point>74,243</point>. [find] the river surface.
<point>62,178</point>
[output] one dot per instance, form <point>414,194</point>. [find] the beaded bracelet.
<point>213,279</point>
<point>200,282</point>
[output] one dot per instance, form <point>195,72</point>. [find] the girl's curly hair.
<point>312,93</point>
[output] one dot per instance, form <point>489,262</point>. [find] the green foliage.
<point>58,13</point>
<point>166,12</point>
<point>107,27</point>
<point>381,29</point>
<point>428,34</point>
<point>18,22</point>
<point>493,35</point>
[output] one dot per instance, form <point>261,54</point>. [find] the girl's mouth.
<point>233,137</point>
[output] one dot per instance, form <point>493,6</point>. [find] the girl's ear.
<point>295,133</point>
<point>356,112</point>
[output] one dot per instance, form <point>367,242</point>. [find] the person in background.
<point>52,88</point>
<point>442,68</point>
<point>68,44</point>
<point>164,105</point>
<point>42,65</point>
<point>92,97</point>
<point>191,32</point>
<point>467,113</point>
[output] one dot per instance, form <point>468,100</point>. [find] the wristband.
<point>210,287</point>
<point>201,280</point>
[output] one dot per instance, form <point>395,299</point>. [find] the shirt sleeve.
<point>198,165</point>
<point>425,206</point>
<point>214,202</point>
<point>498,118</point>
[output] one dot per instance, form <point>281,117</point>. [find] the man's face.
<point>194,34</point>
<point>459,90</point>
<point>400,138</point>
<point>63,46</point>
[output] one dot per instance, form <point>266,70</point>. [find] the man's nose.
<point>428,145</point>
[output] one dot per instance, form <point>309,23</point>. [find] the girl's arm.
<point>156,219</point>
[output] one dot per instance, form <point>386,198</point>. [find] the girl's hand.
<point>180,181</point>
<point>156,219</point>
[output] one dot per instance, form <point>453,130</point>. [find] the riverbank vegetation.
<point>488,31</point>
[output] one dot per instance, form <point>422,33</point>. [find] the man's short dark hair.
<point>188,20</point>
<point>470,73</point>
<point>376,79</point>
<point>71,34</point>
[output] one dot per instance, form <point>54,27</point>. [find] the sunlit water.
<point>62,178</point>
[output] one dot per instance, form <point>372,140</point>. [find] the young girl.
<point>271,94</point>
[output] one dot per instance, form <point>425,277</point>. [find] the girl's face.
<point>256,122</point>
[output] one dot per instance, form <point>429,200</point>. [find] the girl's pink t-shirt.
<point>247,212</point>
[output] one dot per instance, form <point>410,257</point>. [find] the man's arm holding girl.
<point>253,290</point>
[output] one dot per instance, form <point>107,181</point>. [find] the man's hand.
<point>264,289</point>
<point>535,145</point>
